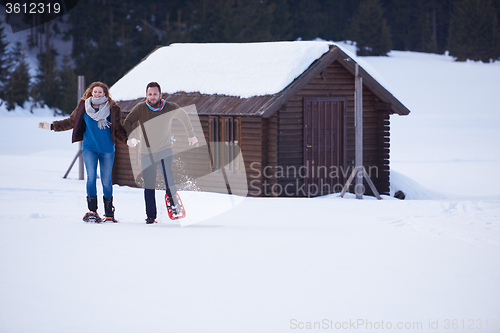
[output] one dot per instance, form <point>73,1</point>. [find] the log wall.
<point>335,81</point>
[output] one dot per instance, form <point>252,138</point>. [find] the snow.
<point>270,264</point>
<point>233,69</point>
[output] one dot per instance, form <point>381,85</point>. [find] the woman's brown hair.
<point>88,91</point>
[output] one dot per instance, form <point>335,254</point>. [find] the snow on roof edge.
<point>370,71</point>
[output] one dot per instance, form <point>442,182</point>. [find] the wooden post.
<point>81,91</point>
<point>358,130</point>
<point>81,167</point>
<point>359,170</point>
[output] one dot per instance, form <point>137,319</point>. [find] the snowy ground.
<point>271,265</point>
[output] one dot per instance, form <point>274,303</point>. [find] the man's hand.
<point>192,141</point>
<point>132,142</point>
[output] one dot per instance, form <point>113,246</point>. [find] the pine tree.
<point>281,24</point>
<point>235,21</point>
<point>68,98</point>
<point>474,32</point>
<point>337,16</point>
<point>252,21</point>
<point>47,86</point>
<point>112,40</point>
<point>18,84</point>
<point>307,18</point>
<point>4,61</point>
<point>428,30</point>
<point>370,30</point>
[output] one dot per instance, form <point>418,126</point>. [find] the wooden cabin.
<point>296,142</point>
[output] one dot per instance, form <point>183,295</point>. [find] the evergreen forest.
<point>109,37</point>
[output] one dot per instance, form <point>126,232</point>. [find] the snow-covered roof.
<point>232,69</point>
<point>241,70</point>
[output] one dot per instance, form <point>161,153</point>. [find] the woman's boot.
<point>92,215</point>
<point>109,210</point>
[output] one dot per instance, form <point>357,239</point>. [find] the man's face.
<point>153,95</point>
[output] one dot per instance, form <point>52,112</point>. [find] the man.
<point>155,117</point>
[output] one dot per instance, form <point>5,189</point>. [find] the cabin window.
<point>225,137</point>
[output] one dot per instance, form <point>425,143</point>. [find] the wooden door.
<point>323,145</point>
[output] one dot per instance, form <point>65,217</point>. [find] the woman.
<point>97,122</point>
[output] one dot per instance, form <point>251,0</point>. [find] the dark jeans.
<point>149,175</point>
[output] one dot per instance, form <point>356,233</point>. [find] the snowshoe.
<point>92,217</point>
<point>109,219</point>
<point>175,211</point>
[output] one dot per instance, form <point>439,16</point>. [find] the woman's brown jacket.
<point>77,123</point>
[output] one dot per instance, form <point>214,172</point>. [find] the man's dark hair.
<point>153,84</point>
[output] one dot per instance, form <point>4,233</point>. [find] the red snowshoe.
<point>175,212</point>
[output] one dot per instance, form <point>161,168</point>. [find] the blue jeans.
<point>106,163</point>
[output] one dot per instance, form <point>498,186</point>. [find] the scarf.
<point>101,115</point>
<point>152,108</point>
